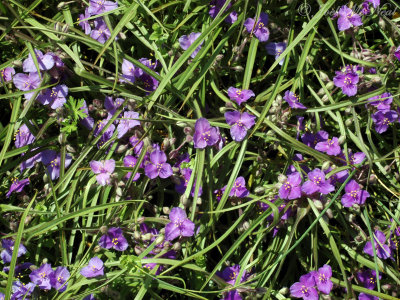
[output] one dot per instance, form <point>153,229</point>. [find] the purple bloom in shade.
<point>128,70</point>
<point>311,139</point>
<point>347,81</point>
<point>382,102</point>
<point>127,122</point>
<point>330,147</point>
<point>17,186</point>
<point>23,137</point>
<point>150,84</point>
<point>106,135</point>
<point>375,3</point>
<point>232,295</point>
<point>45,62</point>
<point>382,119</point>
<point>103,170</point>
<point>219,193</point>
<point>240,123</point>
<point>148,63</point>
<point>111,106</point>
<point>137,146</point>
<point>276,49</point>
<point>27,82</point>
<point>184,180</point>
<point>337,177</point>
<point>180,225</point>
<point>88,121</point>
<point>185,41</point>
<point>94,268</point>
<point>382,251</point>
<point>397,53</point>
<point>365,8</point>
<point>316,183</point>
<point>89,297</point>
<point>293,100</point>
<point>368,278</point>
<point>21,290</point>
<point>239,95</point>
<point>101,32</point>
<point>41,276</point>
<point>83,22</point>
<point>229,274</point>
<point>55,97</point>
<point>204,134</point>
<point>7,74</point>
<point>291,189</point>
<point>8,246</point>
<point>239,189</point>
<point>363,296</point>
<point>59,278</point>
<point>158,166</point>
<point>347,18</point>
<point>97,7</point>
<point>305,288</point>
<point>322,279</point>
<point>130,162</point>
<point>354,194</point>
<point>114,239</point>
<point>170,255</point>
<point>183,158</point>
<point>52,160</point>
<point>216,7</point>
<point>259,29</point>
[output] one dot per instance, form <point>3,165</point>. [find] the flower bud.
<point>140,220</point>
<point>325,165</point>
<point>146,237</point>
<point>321,92</point>
<point>324,77</point>
<point>181,124</point>
<point>329,213</point>
<point>121,149</point>
<point>177,246</point>
<point>325,99</point>
<point>184,200</point>
<point>166,210</point>
<point>284,291</point>
<point>260,190</point>
<point>330,85</point>
<point>348,122</point>
<point>318,204</point>
<point>136,235</point>
<point>382,23</point>
<point>188,130</point>
<point>103,229</point>
<point>222,110</point>
<point>341,139</point>
<point>138,250</point>
<point>97,249</point>
<point>160,239</point>
<point>199,201</point>
<point>279,99</point>
<point>118,191</point>
<point>372,179</point>
<point>237,68</point>
<point>189,139</point>
<point>122,35</point>
<point>282,178</point>
<point>70,149</point>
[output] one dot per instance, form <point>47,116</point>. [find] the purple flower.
<point>21,290</point>
<point>184,180</point>
<point>94,268</point>
<point>276,49</point>
<point>25,82</point>
<point>55,97</point>
<point>347,81</point>
<point>103,170</point>
<point>291,189</point>
<point>363,296</point>
<point>8,246</point>
<point>23,137</point>
<point>52,160</point>
<point>185,41</point>
<point>330,147</point>
<point>97,7</point>
<point>293,100</point>
<point>128,70</point>
<point>204,134</point>
<point>7,74</point>
<point>340,176</point>
<point>368,278</point>
<point>397,53</point>
<point>382,251</point>
<point>311,140</point>
<point>322,279</point>
<point>305,288</point>
<point>240,123</point>
<point>239,189</point>
<point>382,102</point>
<point>106,135</point>
<point>148,63</point>
<point>232,295</point>
<point>17,186</point>
<point>83,22</point>
<point>45,62</point>
<point>58,279</point>
<point>375,3</point>
<point>89,297</point>
<point>114,239</point>
<point>316,183</point>
<point>111,106</point>
<point>365,8</point>
<point>347,18</point>
<point>158,166</point>
<point>130,162</point>
<point>219,193</point>
<point>88,121</point>
<point>180,225</point>
<point>100,33</point>
<point>354,194</point>
<point>382,119</point>
<point>229,274</point>
<point>355,158</point>
<point>137,146</point>
<point>259,29</point>
<point>150,84</point>
<point>216,7</point>
<point>41,276</point>
<point>127,122</point>
<point>239,95</point>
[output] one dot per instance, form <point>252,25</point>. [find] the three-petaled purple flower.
<point>347,81</point>
<point>259,28</point>
<point>382,102</point>
<point>330,147</point>
<point>97,7</point>
<point>100,32</point>
<point>347,18</point>
<point>128,70</point>
<point>7,74</point>
<point>17,185</point>
<point>45,62</point>
<point>84,22</point>
<point>204,134</point>
<point>216,7</point>
<point>54,97</point>
<point>23,137</point>
<point>130,162</point>
<point>94,268</point>
<point>103,170</point>
<point>21,290</point>
<point>239,123</point>
<point>184,180</point>
<point>397,53</point>
<point>239,189</point>
<point>157,166</point>
<point>368,278</point>
<point>323,280</point>
<point>58,278</point>
<point>239,95</point>
<point>382,119</point>
<point>311,139</point>
<point>8,246</point>
<point>186,41</point>
<point>114,239</point>
<point>305,288</point>
<point>293,100</point>
<point>276,49</point>
<point>128,121</point>
<point>229,274</point>
<point>354,194</point>
<point>291,189</point>
<point>27,82</point>
<point>52,160</point>
<point>41,276</point>
<point>382,251</point>
<point>180,225</point>
<point>316,183</point>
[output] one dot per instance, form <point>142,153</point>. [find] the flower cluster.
<point>313,282</point>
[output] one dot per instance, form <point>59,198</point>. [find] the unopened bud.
<point>341,139</point>
<point>184,200</point>
<point>166,210</point>
<point>118,191</point>
<point>325,99</point>
<point>260,190</point>
<point>189,139</point>
<point>318,204</point>
<point>348,122</point>
<point>222,109</point>
<point>238,68</point>
<point>146,237</point>
<point>140,220</point>
<point>382,23</point>
<point>282,178</point>
<point>97,249</point>
<point>122,35</point>
<point>121,149</point>
<point>329,213</point>
<point>103,229</point>
<point>324,77</point>
<point>330,85</point>
<point>199,201</point>
<point>188,130</point>
<point>325,165</point>
<point>177,246</point>
<point>376,80</point>
<point>138,250</point>
<point>181,124</point>
<point>160,239</point>
<point>321,92</point>
<point>136,235</point>
<point>372,179</point>
<point>284,291</point>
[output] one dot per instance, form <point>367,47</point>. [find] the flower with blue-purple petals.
<point>323,280</point>
<point>41,276</point>
<point>180,225</point>
<point>157,166</point>
<point>239,189</point>
<point>23,137</point>
<point>364,296</point>
<point>216,7</point>
<point>316,183</point>
<point>204,134</point>
<point>52,160</point>
<point>383,118</point>
<point>59,278</point>
<point>347,81</point>
<point>128,70</point>
<point>293,100</point>
<point>330,147</point>
<point>17,186</point>
<point>240,123</point>
<point>354,194</point>
<point>305,288</point>
<point>127,121</point>
<point>97,7</point>
<point>347,18</point>
<point>259,28</point>
<point>381,102</point>
<point>276,49</point>
<point>291,189</point>
<point>27,82</point>
<point>186,41</point>
<point>368,278</point>
<point>100,32</point>
<point>311,139</point>
<point>45,62</point>
<point>7,74</point>
<point>184,180</point>
<point>229,274</point>
<point>114,238</point>
<point>84,22</point>
<point>55,97</point>
<point>130,162</point>
<point>397,53</point>
<point>21,290</point>
<point>8,248</point>
<point>103,170</point>
<point>382,250</point>
<point>94,268</point>
<point>240,96</point>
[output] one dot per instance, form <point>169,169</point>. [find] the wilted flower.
<point>186,41</point>
<point>240,123</point>
<point>8,246</point>
<point>259,29</point>
<point>204,134</point>
<point>41,276</point>
<point>180,225</point>
<point>45,62</point>
<point>54,97</point>
<point>17,185</point>
<point>291,189</point>
<point>316,183</point>
<point>84,22</point>
<point>239,95</point>
<point>157,165</point>
<point>293,100</point>
<point>382,251</point>
<point>58,279</point>
<point>7,74</point>
<point>101,32</point>
<point>114,239</point>
<point>382,119</point>
<point>276,49</point>
<point>94,268</point>
<point>97,7</point>
<point>330,147</point>
<point>305,288</point>
<point>354,194</point>
<point>103,170</point>
<point>347,18</point>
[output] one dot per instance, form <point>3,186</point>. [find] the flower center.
<point>317,179</point>
<point>347,80</point>
<point>206,135</point>
<point>115,241</point>
<point>238,92</point>
<point>386,121</point>
<point>304,290</point>
<point>354,194</point>
<point>54,163</point>
<point>43,274</point>
<point>59,279</point>
<point>322,278</point>
<point>330,142</point>
<point>233,275</point>
<point>287,185</point>
<point>372,280</point>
